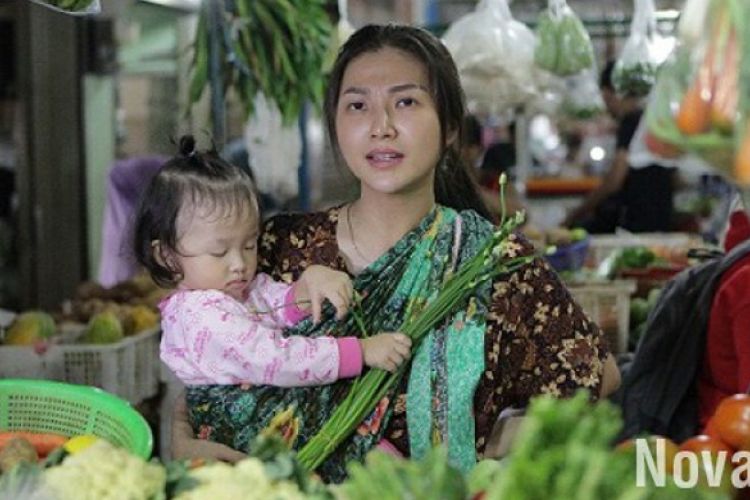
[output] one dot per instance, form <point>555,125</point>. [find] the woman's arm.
<point>185,445</point>
<point>611,377</point>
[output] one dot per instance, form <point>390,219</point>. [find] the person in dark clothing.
<point>473,154</point>
<point>636,199</point>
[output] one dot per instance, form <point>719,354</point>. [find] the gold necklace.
<point>351,234</point>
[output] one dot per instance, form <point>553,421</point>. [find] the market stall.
<point>86,403</point>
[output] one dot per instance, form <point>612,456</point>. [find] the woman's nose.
<point>382,125</point>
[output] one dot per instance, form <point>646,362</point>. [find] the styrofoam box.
<point>608,305</point>
<point>128,368</point>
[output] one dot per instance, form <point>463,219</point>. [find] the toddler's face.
<point>217,248</point>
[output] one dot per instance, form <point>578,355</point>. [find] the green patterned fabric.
<point>444,373</point>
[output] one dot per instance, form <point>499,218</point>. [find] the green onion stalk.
<point>371,387</point>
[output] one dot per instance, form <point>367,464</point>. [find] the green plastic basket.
<point>71,410</point>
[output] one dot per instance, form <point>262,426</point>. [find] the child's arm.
<point>209,338</point>
<point>275,302</point>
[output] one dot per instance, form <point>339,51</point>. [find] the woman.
<point>394,109</point>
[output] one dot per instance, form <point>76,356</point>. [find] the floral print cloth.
<point>211,338</point>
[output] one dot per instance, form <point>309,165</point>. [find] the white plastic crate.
<point>608,305</point>
<point>128,368</point>
<point>601,246</point>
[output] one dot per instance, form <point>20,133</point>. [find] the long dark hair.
<point>189,177</point>
<point>454,187</point>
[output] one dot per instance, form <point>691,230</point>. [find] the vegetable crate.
<point>608,305</point>
<point>128,368</point>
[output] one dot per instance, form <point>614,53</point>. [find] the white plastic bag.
<point>644,51</point>
<point>339,36</point>
<point>93,8</point>
<point>274,150</point>
<point>494,54</point>
<point>693,21</point>
<point>583,98</point>
<point>563,44</point>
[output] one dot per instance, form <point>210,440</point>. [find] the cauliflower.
<point>105,472</point>
<point>247,480</point>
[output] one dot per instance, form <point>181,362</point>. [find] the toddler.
<point>196,232</point>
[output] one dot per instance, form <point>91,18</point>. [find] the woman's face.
<point>387,125</point>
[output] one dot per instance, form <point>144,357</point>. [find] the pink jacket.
<point>210,338</point>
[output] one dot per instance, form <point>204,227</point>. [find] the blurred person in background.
<point>486,166</point>
<point>637,199</point>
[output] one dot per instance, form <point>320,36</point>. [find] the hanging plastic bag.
<point>564,47</point>
<point>494,54</point>
<point>273,149</point>
<point>339,36</point>
<point>72,7</point>
<point>645,50</point>
<point>692,21</point>
<point>582,98</point>
<point>695,106</point>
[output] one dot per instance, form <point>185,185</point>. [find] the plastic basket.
<point>569,257</point>
<point>608,305</point>
<point>71,410</point>
<point>128,368</point>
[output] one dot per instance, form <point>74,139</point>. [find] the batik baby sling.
<point>444,372</point>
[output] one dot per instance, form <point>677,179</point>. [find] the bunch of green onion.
<point>371,387</point>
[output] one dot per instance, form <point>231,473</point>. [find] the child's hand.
<point>318,283</point>
<point>386,350</point>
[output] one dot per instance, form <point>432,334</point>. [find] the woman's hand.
<point>185,445</point>
<point>318,283</point>
<point>386,350</point>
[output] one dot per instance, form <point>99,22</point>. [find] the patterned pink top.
<point>210,338</point>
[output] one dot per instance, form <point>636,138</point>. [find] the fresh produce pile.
<point>563,450</point>
<point>276,48</point>
<point>96,315</point>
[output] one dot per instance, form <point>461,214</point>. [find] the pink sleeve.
<point>209,338</point>
<point>277,299</point>
<point>350,357</point>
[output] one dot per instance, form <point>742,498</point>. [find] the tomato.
<point>708,443</point>
<point>732,421</point>
<point>670,449</point>
<point>714,446</point>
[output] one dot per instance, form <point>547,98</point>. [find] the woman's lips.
<point>384,158</point>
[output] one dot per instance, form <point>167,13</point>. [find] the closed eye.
<point>219,254</point>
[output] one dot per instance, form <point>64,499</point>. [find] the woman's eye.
<point>356,106</point>
<point>219,254</point>
<point>406,102</point>
<point>250,246</point>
